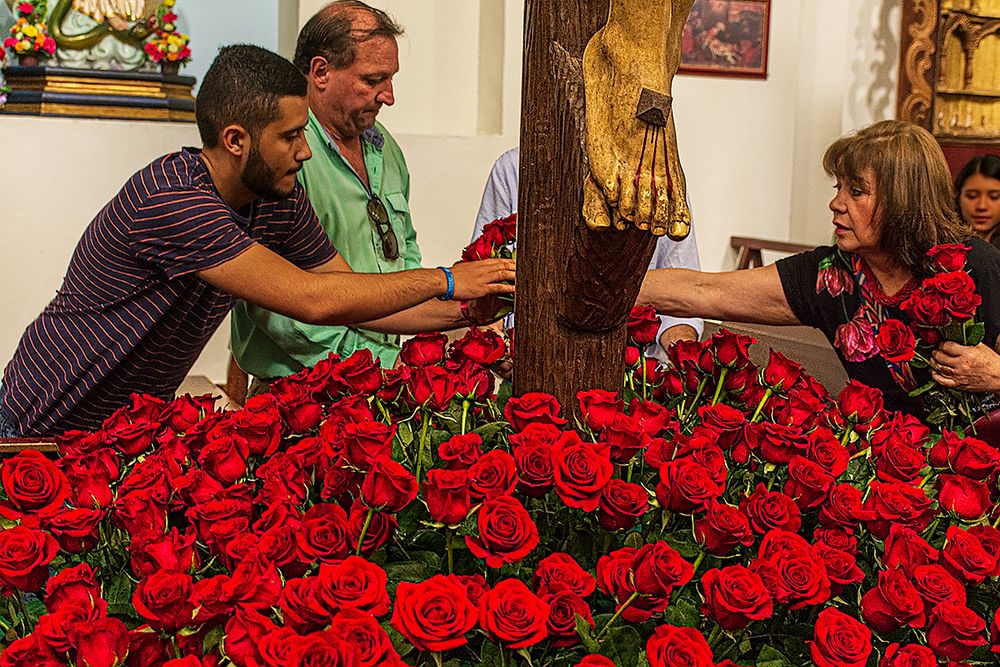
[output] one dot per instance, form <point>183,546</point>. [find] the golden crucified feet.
<point>628,67</point>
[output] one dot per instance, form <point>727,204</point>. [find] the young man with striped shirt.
<point>160,266</point>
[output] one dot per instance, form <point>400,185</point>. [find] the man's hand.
<point>487,310</point>
<point>676,333</point>
<point>488,277</point>
<point>969,368</point>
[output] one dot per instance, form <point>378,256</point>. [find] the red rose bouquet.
<point>718,514</point>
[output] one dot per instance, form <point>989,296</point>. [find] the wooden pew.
<point>749,249</point>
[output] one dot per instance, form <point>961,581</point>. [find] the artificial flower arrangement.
<point>29,35</point>
<point>715,515</point>
<point>168,44</point>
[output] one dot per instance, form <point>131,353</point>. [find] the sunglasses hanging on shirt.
<point>380,218</point>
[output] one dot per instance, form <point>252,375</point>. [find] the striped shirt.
<point>132,315</point>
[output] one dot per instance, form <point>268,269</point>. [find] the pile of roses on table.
<point>719,514</point>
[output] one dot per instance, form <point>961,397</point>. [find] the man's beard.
<point>261,178</point>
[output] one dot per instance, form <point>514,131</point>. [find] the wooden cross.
<point>576,285</point>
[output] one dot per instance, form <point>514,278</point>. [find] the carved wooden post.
<point>575,287</point>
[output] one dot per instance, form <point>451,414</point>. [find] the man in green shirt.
<point>357,181</point>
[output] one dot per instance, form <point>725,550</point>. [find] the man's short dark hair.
<point>243,86</point>
<point>331,35</point>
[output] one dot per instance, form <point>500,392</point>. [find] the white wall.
<point>751,149</point>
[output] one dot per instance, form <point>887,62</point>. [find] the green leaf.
<point>399,642</point>
<point>634,540</point>
<point>769,657</point>
<point>682,614</point>
<point>413,571</point>
<point>923,389</point>
<point>490,655</point>
<point>622,646</point>
<point>119,595</point>
<point>953,331</point>
<point>975,333</point>
<point>213,638</point>
<point>937,416</point>
<point>583,629</point>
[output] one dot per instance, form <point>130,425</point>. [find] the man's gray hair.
<point>331,34</point>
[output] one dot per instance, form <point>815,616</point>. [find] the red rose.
<point>651,417</point>
<point>493,474</point>
<point>926,309</point>
<point>564,609</point>
<point>859,403</point>
<point>461,451</point>
<point>722,528</point>
<point>685,486</point>
<point>360,630</point>
<point>164,600</point>
<point>277,648</point>
<point>324,649</point>
<point>622,504</point>
<point>841,567</point>
<point>580,471</point>
<point>388,486</point>
<point>506,532</point>
<point>896,341</point>
<point>954,632</point>
<point>72,585</point>
<point>826,450</point>
<point>843,508</point>
<point>432,387</point>
<point>104,641</point>
<point>513,615</point>
<point>90,477</point>
<point>731,349</point>
<point>935,586</point>
<point>781,372</point>
<point>952,284</point>
<point>897,503</point>
<point>297,405</point>
<point>892,603</point>
<point>209,601</point>
<point>480,346</point>
<point>614,573</point>
<point>594,660</point>
<point>735,597</point>
<point>599,407</point>
<point>839,640</point>
<point>808,484</point>
<point>964,557</point>
<point>855,340</point>
<point>131,439</point>
<point>656,570</point>
<point>966,498</point>
<point>534,467</point>
<point>533,408</point>
<point>725,420</point>
<point>948,256</point>
<point>899,462</point>
<point>836,539</point>
<point>625,436</point>
<point>172,551</point>
<point>364,441</point>
<point>255,583</point>
<point>381,527</point>
<point>797,580</point>
<point>905,548</point>
<point>354,583</point>
<point>146,649</point>
<point>670,646</point>
<point>25,555</point>
<point>262,429</point>
<point>473,584</point>
<point>424,349</point>
<point>33,484</point>
<point>323,534</point>
<point>973,458</point>
<point>76,530</point>
<point>911,655</point>
<point>642,326</point>
<point>769,510</point>
<point>446,493</point>
<point>560,572</point>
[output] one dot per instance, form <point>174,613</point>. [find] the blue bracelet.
<point>450,292</point>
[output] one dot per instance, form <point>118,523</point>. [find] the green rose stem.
<point>996,524</point>
<point>701,388</point>
<point>437,658</point>
<point>611,621</point>
<point>425,423</point>
<point>718,388</point>
<point>644,379</point>
<point>364,529</point>
<point>926,479</point>
<point>465,413</point>
<point>847,437</point>
<point>383,411</point>
<point>768,393</point>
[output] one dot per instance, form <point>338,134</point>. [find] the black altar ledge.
<point>87,93</point>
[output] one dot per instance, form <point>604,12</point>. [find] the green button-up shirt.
<point>268,345</point>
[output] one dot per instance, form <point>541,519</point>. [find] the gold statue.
<point>628,68</point>
<point>121,14</point>
<point>130,21</point>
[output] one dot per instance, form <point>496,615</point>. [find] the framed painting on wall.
<point>726,38</point>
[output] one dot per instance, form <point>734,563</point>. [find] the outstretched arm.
<point>333,294</point>
<point>753,296</point>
